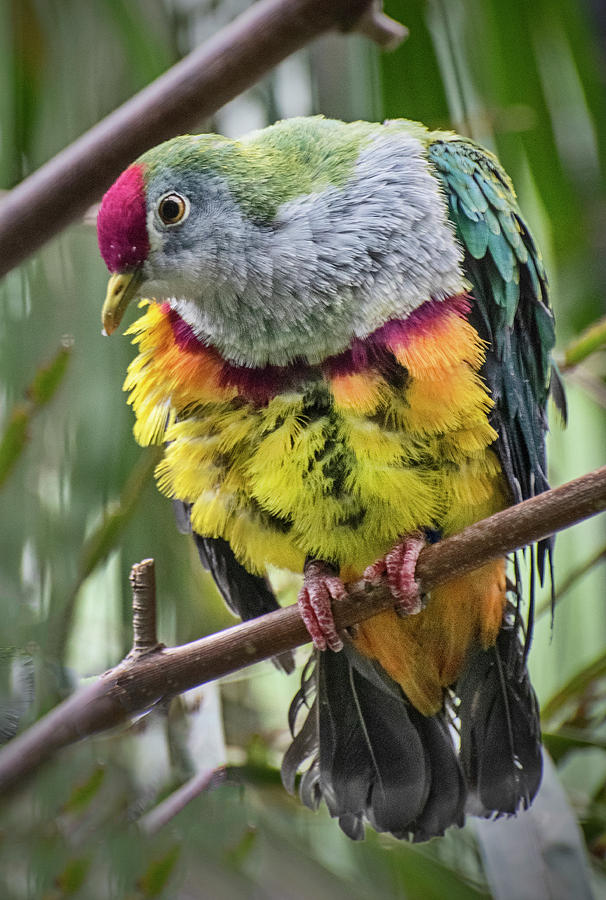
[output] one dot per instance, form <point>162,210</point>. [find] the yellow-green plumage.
<point>322,472</point>
<point>265,477</point>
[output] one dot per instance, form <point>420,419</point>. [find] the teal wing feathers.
<point>500,731</point>
<point>511,308</point>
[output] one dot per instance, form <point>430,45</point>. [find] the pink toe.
<point>310,621</point>
<point>401,563</point>
<point>376,571</point>
<point>320,588</point>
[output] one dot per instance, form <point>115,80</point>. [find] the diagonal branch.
<point>197,86</point>
<point>161,814</point>
<point>143,680</point>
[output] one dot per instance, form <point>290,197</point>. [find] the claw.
<point>320,587</point>
<point>376,572</point>
<point>398,566</point>
<point>401,563</point>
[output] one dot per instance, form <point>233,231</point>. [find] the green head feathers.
<point>269,167</point>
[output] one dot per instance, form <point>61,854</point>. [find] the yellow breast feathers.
<point>335,461</point>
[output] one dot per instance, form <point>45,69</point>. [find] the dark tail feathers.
<point>500,728</point>
<point>372,756</point>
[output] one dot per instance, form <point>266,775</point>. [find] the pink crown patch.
<point>121,225</point>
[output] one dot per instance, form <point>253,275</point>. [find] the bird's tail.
<point>371,756</point>
<point>500,728</point>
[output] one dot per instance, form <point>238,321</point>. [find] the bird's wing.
<point>247,595</point>
<point>511,310</point>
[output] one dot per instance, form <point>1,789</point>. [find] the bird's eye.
<point>172,209</point>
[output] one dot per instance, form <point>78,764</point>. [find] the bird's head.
<point>285,244</point>
<point>170,225</point>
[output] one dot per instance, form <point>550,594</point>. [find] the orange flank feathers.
<point>359,392</point>
<point>166,378</point>
<point>426,653</point>
<point>445,341</point>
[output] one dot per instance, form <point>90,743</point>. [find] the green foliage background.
<point>78,502</point>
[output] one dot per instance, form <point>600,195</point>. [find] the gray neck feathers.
<point>332,265</point>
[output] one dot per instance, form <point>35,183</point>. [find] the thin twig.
<point>197,86</point>
<point>143,584</point>
<point>380,28</point>
<point>161,814</point>
<point>133,687</point>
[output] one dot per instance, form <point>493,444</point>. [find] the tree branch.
<point>143,680</point>
<point>231,61</point>
<point>143,585</point>
<point>161,814</point>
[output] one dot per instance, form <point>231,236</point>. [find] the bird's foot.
<point>320,587</point>
<point>398,567</point>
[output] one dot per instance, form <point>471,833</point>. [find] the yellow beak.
<point>120,291</point>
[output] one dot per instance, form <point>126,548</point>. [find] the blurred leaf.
<point>574,689</point>
<point>565,739</point>
<point>101,542</point>
<point>13,440</point>
<point>237,855</point>
<point>404,93</point>
<point>73,876</point>
<point>105,538</point>
<point>538,854</point>
<point>82,794</point>
<point>48,378</point>
<point>588,342</point>
<point>40,392</point>
<point>155,879</point>
<point>29,43</point>
<point>148,56</point>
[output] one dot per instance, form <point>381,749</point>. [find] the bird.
<point>345,352</point>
